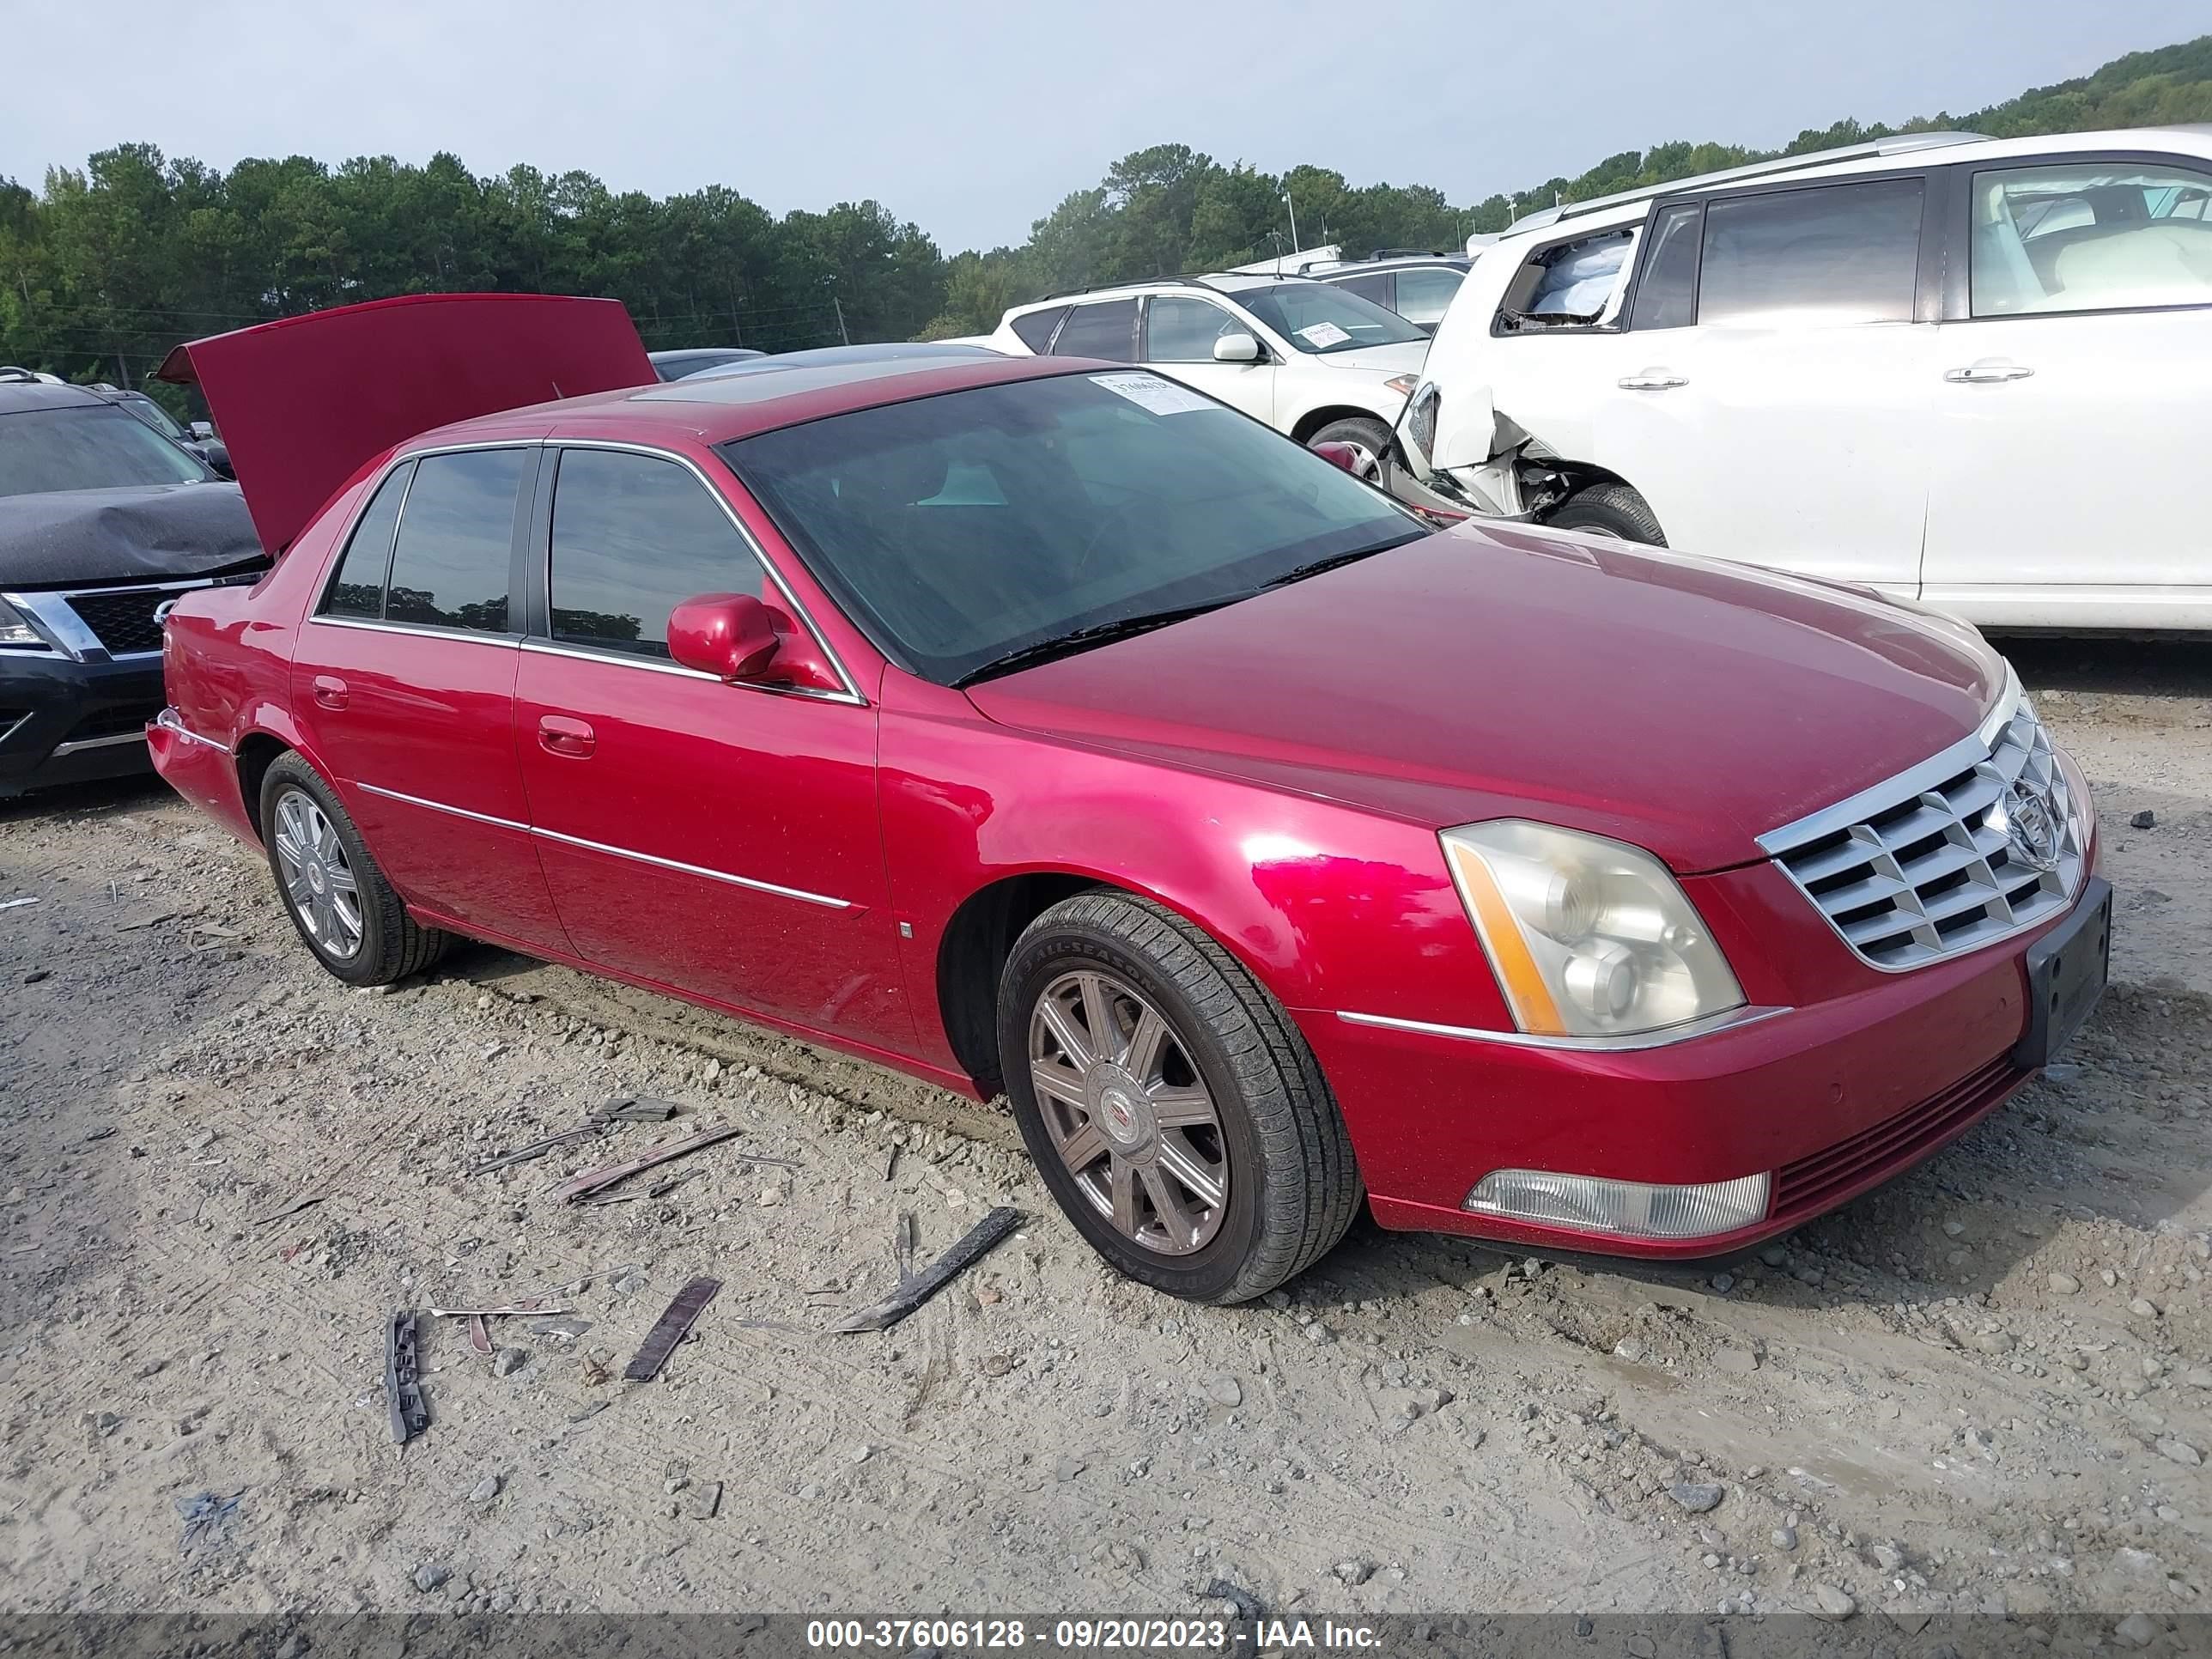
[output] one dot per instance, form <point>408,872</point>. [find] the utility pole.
<point>831,282</point>
<point>1296,245</point>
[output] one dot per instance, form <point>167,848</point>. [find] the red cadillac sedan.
<point>1043,727</point>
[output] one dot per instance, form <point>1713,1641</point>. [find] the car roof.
<point>885,351</point>
<point>17,396</point>
<point>1395,262</point>
<point>1228,282</point>
<point>717,408</point>
<point>1876,155</point>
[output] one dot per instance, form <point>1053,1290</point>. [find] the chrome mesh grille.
<point>1933,863</point>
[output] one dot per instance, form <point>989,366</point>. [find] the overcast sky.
<point>975,117</point>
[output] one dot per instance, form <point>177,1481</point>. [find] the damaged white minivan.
<point>1970,371</point>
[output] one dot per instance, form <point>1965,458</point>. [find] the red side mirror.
<point>1343,455</point>
<point>729,635</point>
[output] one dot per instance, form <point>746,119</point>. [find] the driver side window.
<point>1181,330</point>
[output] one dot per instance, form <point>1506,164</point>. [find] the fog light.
<point>1591,1204</point>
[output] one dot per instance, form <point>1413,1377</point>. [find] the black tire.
<point>1610,509</point>
<point>1370,437</point>
<point>1293,1185</point>
<point>391,946</point>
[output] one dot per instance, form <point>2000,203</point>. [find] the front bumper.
<point>62,721</point>
<point>1832,1099</point>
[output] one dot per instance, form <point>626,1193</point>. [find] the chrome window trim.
<point>72,747</point>
<point>661,665</point>
<point>851,694</point>
<point>681,868</point>
<point>464,635</point>
<point>1629,1042</point>
<point>170,719</point>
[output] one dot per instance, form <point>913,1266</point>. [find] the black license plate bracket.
<point>2067,968</point>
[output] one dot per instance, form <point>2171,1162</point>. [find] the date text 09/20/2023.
<point>1095,1635</point>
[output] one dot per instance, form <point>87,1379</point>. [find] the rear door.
<point>720,839</point>
<point>403,685</point>
<point>1783,416</point>
<point>2069,444</point>
<point>1180,329</point>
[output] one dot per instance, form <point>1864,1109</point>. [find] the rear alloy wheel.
<point>346,912</point>
<point>1368,440</point>
<point>1170,1105</point>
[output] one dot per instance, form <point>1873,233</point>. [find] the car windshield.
<point>1317,317</point>
<point>43,450</point>
<point>967,529</point>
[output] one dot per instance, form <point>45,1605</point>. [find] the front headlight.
<point>1587,937</point>
<point>14,631</point>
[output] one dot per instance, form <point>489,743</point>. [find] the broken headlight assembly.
<point>1587,937</point>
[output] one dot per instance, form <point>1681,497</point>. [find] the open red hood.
<point>303,403</point>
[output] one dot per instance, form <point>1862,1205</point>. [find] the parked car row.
<point>1032,722</point>
<point>1967,370</point>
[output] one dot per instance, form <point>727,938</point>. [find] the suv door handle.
<point>1652,380</point>
<point>558,734</point>
<point>330,691</point>
<point>1988,372</point>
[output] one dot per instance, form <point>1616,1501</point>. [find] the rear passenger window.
<point>634,536</point>
<point>1035,331</point>
<point>357,588</point>
<point>1107,330</point>
<point>1668,296</point>
<point>1571,284</point>
<point>449,565</point>
<point>1374,286</point>
<point>1838,253</point>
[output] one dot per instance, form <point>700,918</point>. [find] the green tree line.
<point>104,268</point>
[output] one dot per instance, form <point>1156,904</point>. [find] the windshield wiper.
<point>1299,573</point>
<point>1082,639</point>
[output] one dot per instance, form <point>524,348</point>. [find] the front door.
<point>1180,329</point>
<point>720,839</point>
<point>403,684</point>
<point>1788,423</point>
<point>2073,404</point>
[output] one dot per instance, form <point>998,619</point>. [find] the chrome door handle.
<point>1652,380</point>
<point>558,734</point>
<point>1988,372</point>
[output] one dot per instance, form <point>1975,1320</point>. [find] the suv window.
<point>449,565</point>
<point>1374,286</point>
<point>1182,330</point>
<point>1035,331</point>
<point>634,536</point>
<point>1667,297</point>
<point>1107,330</point>
<point>357,588</point>
<point>1425,292</point>
<point>1574,285</point>
<point>1834,254</point>
<point>2090,238</point>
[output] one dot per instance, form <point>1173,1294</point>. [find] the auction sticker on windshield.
<point>1322,335</point>
<point>1150,392</point>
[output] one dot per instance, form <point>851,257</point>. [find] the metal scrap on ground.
<point>403,1380</point>
<point>915,1289</point>
<point>606,1174</point>
<point>660,1341</point>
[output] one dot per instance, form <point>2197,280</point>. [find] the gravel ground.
<point>1988,1386</point>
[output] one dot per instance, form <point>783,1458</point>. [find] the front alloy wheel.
<point>1172,1108</point>
<point>1128,1114</point>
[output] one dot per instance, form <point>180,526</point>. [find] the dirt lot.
<point>1988,1386</point>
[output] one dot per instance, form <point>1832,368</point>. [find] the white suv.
<point>1311,361</point>
<point>1975,372</point>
